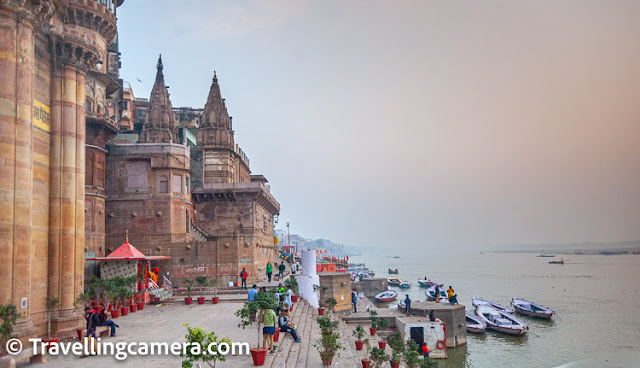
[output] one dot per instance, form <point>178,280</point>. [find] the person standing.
<point>252,292</point>
<point>407,304</point>
<point>243,277</point>
<point>425,350</point>
<point>294,268</point>
<point>281,269</point>
<point>269,330</point>
<point>450,292</point>
<point>287,299</point>
<point>437,290</point>
<point>354,300</point>
<point>269,271</point>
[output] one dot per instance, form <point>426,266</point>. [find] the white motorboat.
<point>474,323</point>
<point>431,294</point>
<point>405,284</point>
<point>501,321</point>
<point>478,302</point>
<point>394,281</point>
<point>427,283</point>
<point>386,296</point>
<point>531,309</point>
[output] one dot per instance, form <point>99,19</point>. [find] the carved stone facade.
<point>51,146</point>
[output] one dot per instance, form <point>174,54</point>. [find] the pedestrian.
<point>287,299</point>
<point>294,268</point>
<point>269,271</point>
<point>450,292</point>
<point>431,317</point>
<point>252,292</point>
<point>243,276</point>
<point>354,300</point>
<point>281,269</point>
<point>407,304</point>
<point>286,326</point>
<point>269,330</point>
<point>425,350</point>
<point>437,290</point>
<point>104,320</point>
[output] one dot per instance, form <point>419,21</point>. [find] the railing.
<point>153,287</point>
<point>166,284</point>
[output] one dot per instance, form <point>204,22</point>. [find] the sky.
<point>420,124</point>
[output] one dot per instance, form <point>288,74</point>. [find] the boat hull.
<point>519,305</point>
<point>517,326</point>
<point>479,302</point>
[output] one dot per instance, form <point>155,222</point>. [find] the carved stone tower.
<point>159,126</point>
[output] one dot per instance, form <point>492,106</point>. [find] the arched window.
<point>164,184</point>
<point>88,105</point>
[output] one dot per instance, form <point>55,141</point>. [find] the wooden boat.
<point>547,255</point>
<point>478,302</point>
<point>474,323</point>
<point>394,281</point>
<point>405,284</point>
<point>501,321</point>
<point>386,296</point>
<point>561,261</point>
<point>427,283</point>
<point>431,294</point>
<point>393,272</point>
<point>531,309</point>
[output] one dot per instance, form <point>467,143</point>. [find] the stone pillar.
<point>16,103</point>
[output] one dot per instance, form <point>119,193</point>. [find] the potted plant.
<point>112,296</point>
<point>329,342</point>
<point>397,346</point>
<point>427,363</point>
<point>359,334</point>
<point>189,284</point>
<point>259,305</point>
<point>410,355</point>
<point>125,294</point>
<point>331,303</point>
<point>140,301</point>
<point>373,316</point>
<point>321,289</point>
<point>293,283</point>
<point>203,282</point>
<point>214,283</point>
<point>377,357</point>
<point>381,324</point>
<point>50,304</point>
<point>9,315</point>
<point>366,362</point>
<point>197,336</point>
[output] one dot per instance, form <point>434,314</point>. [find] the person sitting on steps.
<point>105,321</point>
<point>286,326</point>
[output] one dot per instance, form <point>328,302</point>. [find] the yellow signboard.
<point>41,116</point>
<point>276,241</point>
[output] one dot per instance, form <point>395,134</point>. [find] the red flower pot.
<point>80,332</point>
<point>359,345</point>
<point>201,300</point>
<point>188,301</point>
<point>294,298</point>
<point>382,344</point>
<point>321,311</point>
<point>115,313</point>
<point>124,310</point>
<point>216,300</point>
<point>277,335</point>
<point>395,363</point>
<point>141,306</point>
<point>259,356</point>
<point>366,363</point>
<point>98,310</point>
<point>49,342</point>
<point>326,361</point>
<point>133,308</point>
<point>372,331</point>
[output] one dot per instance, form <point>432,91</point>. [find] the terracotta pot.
<point>216,300</point>
<point>188,300</point>
<point>124,311</point>
<point>366,363</point>
<point>294,298</point>
<point>321,311</point>
<point>141,306</point>
<point>259,356</point>
<point>372,331</point>
<point>80,332</point>
<point>382,344</point>
<point>277,335</point>
<point>201,300</point>
<point>395,363</point>
<point>50,342</point>
<point>133,308</point>
<point>326,361</point>
<point>115,313</point>
<point>359,345</point>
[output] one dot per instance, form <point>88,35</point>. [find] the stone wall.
<point>452,315</point>
<point>339,288</point>
<point>371,286</point>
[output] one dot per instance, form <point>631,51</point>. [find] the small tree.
<point>411,355</point>
<point>380,323</point>
<point>329,345</point>
<point>292,283</point>
<point>259,305</point>
<point>359,333</point>
<point>196,335</point>
<point>321,290</point>
<point>189,284</point>
<point>214,284</point>
<point>331,303</point>
<point>50,304</point>
<point>202,280</point>
<point>9,315</point>
<point>397,345</point>
<point>377,357</point>
<point>327,325</point>
<point>427,363</point>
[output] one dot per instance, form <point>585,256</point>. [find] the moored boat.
<point>478,302</point>
<point>561,261</point>
<point>405,284</point>
<point>427,283</point>
<point>501,321</point>
<point>386,296</point>
<point>394,281</point>
<point>546,255</point>
<point>431,294</point>
<point>393,272</point>
<point>474,323</point>
<point>531,309</point>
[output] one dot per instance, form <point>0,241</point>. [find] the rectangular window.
<point>177,183</point>
<point>186,184</point>
<point>126,105</point>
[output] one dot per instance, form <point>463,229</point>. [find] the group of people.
<point>273,318</point>
<point>281,269</point>
<point>96,319</point>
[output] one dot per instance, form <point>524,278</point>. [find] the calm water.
<point>596,300</point>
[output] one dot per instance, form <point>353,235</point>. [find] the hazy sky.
<point>417,123</point>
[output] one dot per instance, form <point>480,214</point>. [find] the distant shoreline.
<point>606,251</point>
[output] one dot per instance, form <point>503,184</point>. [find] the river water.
<point>596,299</point>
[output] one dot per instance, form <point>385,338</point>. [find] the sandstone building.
<point>82,163</point>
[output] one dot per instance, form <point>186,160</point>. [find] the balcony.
<point>95,118</point>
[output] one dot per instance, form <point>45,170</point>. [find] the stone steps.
<point>301,325</point>
<point>285,341</point>
<point>305,345</point>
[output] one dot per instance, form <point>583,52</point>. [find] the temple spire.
<point>159,126</point>
<point>215,126</point>
<point>159,66</point>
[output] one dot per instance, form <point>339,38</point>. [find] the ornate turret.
<point>159,126</point>
<point>215,128</point>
